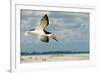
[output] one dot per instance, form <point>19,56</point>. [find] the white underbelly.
<point>39,32</point>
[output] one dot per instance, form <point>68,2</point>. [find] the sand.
<point>54,57</point>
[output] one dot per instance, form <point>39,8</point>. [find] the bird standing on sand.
<point>40,31</point>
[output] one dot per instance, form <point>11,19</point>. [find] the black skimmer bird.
<point>40,31</point>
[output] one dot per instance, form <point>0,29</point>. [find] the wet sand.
<point>53,57</point>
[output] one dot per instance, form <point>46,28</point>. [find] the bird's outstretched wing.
<point>43,22</point>
<point>44,38</point>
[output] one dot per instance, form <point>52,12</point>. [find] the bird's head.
<point>27,33</point>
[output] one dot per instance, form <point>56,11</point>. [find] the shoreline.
<point>53,57</point>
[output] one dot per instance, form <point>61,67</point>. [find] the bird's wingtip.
<point>45,15</point>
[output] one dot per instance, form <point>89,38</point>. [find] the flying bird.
<point>40,31</point>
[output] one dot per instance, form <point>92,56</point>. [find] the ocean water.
<point>54,52</point>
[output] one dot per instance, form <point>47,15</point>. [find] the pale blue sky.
<point>71,29</point>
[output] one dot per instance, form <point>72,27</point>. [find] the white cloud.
<point>32,13</point>
<point>25,23</point>
<point>64,33</point>
<point>68,34</point>
<point>77,14</point>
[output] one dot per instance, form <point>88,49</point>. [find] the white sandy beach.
<point>56,57</point>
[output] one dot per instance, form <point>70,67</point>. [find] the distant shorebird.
<point>40,30</point>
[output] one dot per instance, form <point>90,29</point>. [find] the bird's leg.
<point>54,37</point>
